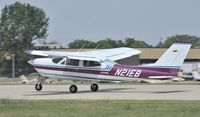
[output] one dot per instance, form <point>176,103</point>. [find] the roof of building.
<point>151,53</point>
<point>155,53</point>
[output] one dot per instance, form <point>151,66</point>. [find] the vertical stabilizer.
<point>174,56</point>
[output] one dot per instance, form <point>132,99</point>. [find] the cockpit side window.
<point>57,60</point>
<point>91,63</point>
<point>73,62</point>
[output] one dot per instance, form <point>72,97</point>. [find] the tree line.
<point>108,43</point>
<point>134,43</point>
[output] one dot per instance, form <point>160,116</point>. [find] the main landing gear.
<point>94,87</point>
<point>73,88</point>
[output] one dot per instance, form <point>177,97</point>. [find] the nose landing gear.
<point>38,87</point>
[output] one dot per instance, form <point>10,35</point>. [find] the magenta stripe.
<point>146,71</point>
<point>69,69</point>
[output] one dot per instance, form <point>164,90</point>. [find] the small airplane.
<point>99,66</point>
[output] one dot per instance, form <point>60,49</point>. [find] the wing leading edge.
<point>97,55</point>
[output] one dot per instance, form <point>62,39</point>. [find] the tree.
<point>131,42</point>
<point>159,45</point>
<point>139,44</point>
<point>110,43</point>
<point>82,43</point>
<point>20,24</point>
<point>193,39</point>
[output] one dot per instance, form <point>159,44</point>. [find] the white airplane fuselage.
<point>105,71</point>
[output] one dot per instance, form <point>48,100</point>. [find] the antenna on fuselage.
<point>81,48</point>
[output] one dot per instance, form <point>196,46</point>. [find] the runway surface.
<point>106,92</point>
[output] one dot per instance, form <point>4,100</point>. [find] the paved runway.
<point>106,92</point>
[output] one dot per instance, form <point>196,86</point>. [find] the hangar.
<point>192,61</point>
<point>150,55</point>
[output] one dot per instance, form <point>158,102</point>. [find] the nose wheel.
<point>94,87</point>
<point>38,87</point>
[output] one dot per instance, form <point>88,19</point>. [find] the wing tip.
<point>28,52</point>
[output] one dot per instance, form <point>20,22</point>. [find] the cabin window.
<point>90,63</point>
<point>72,62</point>
<point>57,60</point>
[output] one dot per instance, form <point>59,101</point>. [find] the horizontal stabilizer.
<point>160,77</point>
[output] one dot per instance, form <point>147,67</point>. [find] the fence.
<point>8,72</point>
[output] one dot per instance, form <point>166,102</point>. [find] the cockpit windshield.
<point>57,60</point>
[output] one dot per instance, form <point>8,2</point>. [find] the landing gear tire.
<point>73,88</point>
<point>38,87</point>
<point>94,87</point>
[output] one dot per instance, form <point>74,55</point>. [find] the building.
<point>192,61</point>
<point>47,46</point>
<point>150,55</point>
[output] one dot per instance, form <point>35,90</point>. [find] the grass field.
<point>74,108</point>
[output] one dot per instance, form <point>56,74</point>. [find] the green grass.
<point>77,108</point>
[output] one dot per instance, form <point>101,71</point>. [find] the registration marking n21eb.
<point>128,73</point>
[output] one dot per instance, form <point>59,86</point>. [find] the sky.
<point>146,20</point>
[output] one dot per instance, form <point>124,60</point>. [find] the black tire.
<point>38,87</point>
<point>73,88</point>
<point>94,87</point>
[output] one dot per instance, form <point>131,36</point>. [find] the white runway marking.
<point>106,92</point>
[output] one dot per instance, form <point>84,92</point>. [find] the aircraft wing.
<point>97,55</point>
<point>70,55</point>
<point>115,53</point>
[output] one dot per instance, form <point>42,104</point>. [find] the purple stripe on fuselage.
<point>148,71</point>
<point>126,71</point>
<point>78,70</point>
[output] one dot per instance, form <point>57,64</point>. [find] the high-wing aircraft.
<point>99,66</point>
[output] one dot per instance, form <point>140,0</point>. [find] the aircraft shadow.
<point>178,91</point>
<point>109,90</point>
<point>35,93</point>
